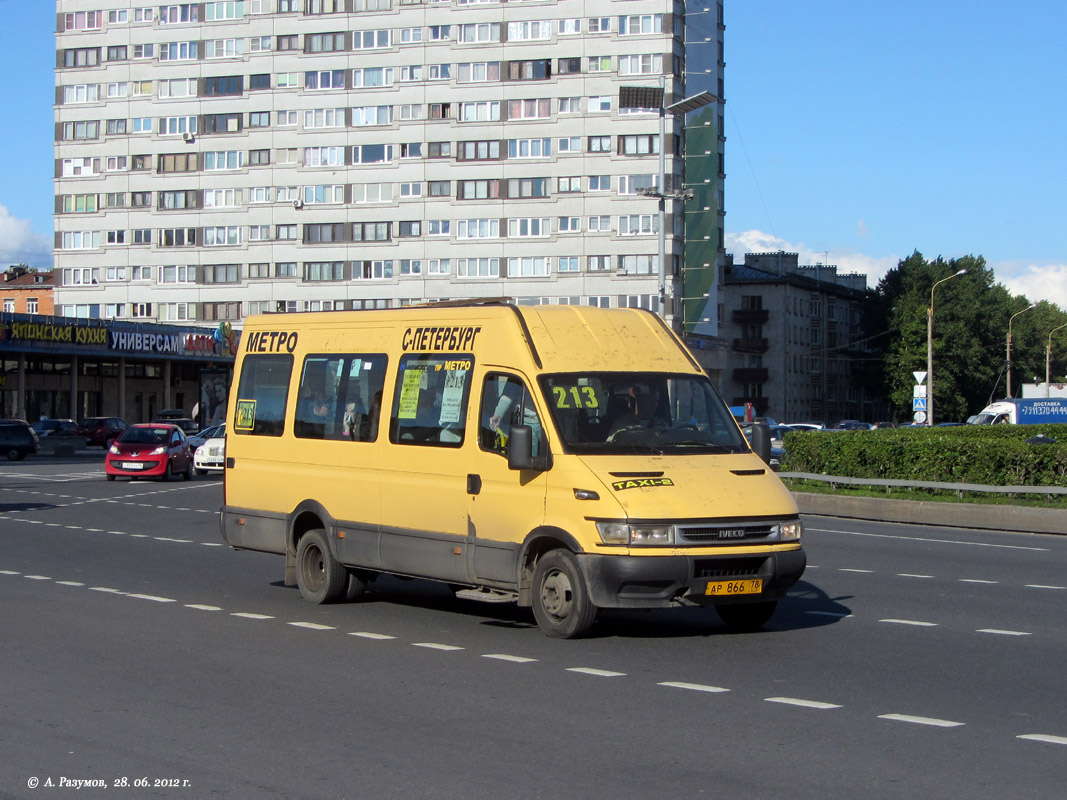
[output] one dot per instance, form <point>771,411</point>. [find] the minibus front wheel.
<point>320,576</point>
<point>561,602</point>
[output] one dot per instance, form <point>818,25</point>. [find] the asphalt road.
<point>134,646</point>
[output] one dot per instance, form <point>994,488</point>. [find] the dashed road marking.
<point>917,623</point>
<point>36,577</point>
<point>1043,586</point>
<point>153,598</point>
<point>70,583</point>
<point>250,615</point>
<point>1002,633</point>
<point>313,626</point>
<point>838,614</point>
<point>695,687</point>
<point>200,607</point>
<point>105,589</point>
<point>912,575</point>
<point>865,571</point>
<point>599,673</point>
<point>369,635</point>
<point>505,657</point>
<point>978,580</point>
<point>795,701</point>
<point>937,723</point>
<point>436,646</point>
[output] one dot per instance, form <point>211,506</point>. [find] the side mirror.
<point>761,441</point>
<point>520,450</point>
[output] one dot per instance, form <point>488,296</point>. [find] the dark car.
<point>18,439</point>
<point>150,451</point>
<point>188,426</point>
<point>55,427</point>
<point>852,425</point>
<point>101,431</point>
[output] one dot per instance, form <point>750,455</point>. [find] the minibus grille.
<point>724,534</point>
<point>728,568</point>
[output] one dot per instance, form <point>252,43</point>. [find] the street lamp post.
<point>930,348</point>
<point>1007,358</point>
<point>653,97</point>
<point>1048,358</point>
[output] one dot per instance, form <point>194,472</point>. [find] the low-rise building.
<point>795,340</point>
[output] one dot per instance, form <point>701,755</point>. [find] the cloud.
<point>1036,281</point>
<point>874,267</point>
<point>20,245</point>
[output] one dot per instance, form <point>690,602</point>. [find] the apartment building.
<point>220,159</point>
<point>796,343</point>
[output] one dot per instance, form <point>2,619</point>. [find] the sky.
<point>857,133</point>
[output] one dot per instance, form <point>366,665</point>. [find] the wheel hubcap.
<point>556,594</point>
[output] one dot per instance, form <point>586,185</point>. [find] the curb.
<point>1020,519</point>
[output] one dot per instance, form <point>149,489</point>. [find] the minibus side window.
<point>340,397</point>
<point>430,400</point>
<point>505,402</point>
<point>262,395</point>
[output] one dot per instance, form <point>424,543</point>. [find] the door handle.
<point>474,483</point>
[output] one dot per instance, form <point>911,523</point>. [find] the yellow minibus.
<point>565,458</point>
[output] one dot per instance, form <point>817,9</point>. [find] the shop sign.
<point>64,334</point>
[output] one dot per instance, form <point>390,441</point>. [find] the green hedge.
<point>993,455</point>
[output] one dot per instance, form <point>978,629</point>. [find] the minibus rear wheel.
<point>561,602</point>
<point>320,576</point>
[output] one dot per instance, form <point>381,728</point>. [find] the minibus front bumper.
<point>618,581</point>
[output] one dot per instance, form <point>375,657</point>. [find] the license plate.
<point>753,586</point>
<point>133,465</point>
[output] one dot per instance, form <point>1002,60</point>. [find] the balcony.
<point>757,316</point>
<point>750,375</point>
<point>753,345</point>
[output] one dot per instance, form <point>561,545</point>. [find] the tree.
<point>968,313</point>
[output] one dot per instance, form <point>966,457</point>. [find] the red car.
<point>151,450</point>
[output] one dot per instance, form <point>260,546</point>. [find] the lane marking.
<point>70,583</point>
<point>794,701</point>
<point>937,723</point>
<point>936,541</point>
<point>9,572</point>
<point>838,614</point>
<point>250,615</point>
<point>1042,586</point>
<point>436,646</point>
<point>105,589</point>
<point>856,570</point>
<point>695,687</point>
<point>1043,737</point>
<point>313,626</point>
<point>912,575</point>
<point>599,673</point>
<point>198,607</point>
<point>369,635</point>
<point>36,577</point>
<point>1002,633</point>
<point>977,580</point>
<point>153,597</point>
<point>504,657</point>
<point>911,622</point>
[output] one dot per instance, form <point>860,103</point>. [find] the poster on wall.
<point>214,392</point>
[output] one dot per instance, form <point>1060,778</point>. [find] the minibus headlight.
<point>625,533</point>
<point>789,531</point>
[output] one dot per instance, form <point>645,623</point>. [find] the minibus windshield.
<point>640,412</point>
